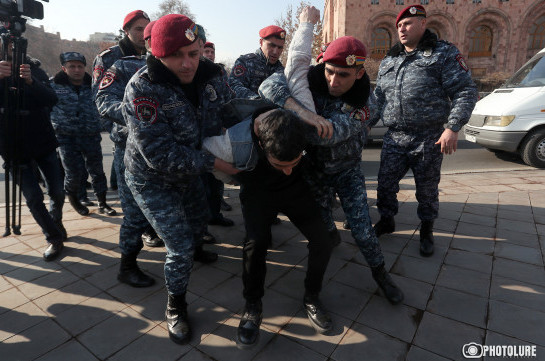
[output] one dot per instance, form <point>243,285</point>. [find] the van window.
<point>530,75</point>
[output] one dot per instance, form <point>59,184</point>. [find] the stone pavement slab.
<point>485,283</point>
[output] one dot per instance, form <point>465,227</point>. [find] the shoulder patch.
<point>362,114</point>
<point>211,93</point>
<point>105,52</point>
<point>97,73</point>
<point>107,80</point>
<point>239,70</point>
<point>462,62</point>
<point>146,109</point>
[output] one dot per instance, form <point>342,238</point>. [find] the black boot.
<point>76,204</point>
<point>200,255</point>
<point>103,207</point>
<point>248,328</point>
<point>317,315</point>
<point>87,202</point>
<point>151,239</point>
<point>52,251</point>
<point>426,238</point>
<point>130,274</point>
<point>385,225</point>
<point>346,225</point>
<point>385,282</point>
<point>179,330</point>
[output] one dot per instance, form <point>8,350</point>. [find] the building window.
<point>537,35</point>
<point>374,2</point>
<point>380,43</point>
<point>399,2</point>
<point>450,1</point>
<point>480,42</point>
<point>424,2</point>
<point>504,1</point>
<point>477,1</point>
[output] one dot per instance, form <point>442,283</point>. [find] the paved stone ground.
<point>484,284</point>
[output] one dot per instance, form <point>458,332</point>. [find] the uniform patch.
<point>239,70</point>
<point>362,114</point>
<point>107,80</point>
<point>97,73</point>
<point>211,92</point>
<point>171,106</point>
<point>145,109</point>
<point>462,62</point>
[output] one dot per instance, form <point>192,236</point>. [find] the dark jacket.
<point>37,137</point>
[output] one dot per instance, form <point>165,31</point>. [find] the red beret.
<point>147,30</point>
<point>410,11</point>
<point>272,30</point>
<point>345,51</point>
<point>134,15</point>
<point>171,32</point>
<point>209,44</point>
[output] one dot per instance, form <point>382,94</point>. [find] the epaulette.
<point>133,57</point>
<point>145,76</point>
<point>109,50</point>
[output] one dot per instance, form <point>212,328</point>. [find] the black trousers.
<point>259,208</point>
<point>214,194</point>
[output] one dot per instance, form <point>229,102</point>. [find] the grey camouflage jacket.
<point>249,72</point>
<point>75,114</point>
<point>348,114</point>
<point>427,88</point>
<point>111,89</point>
<point>165,128</point>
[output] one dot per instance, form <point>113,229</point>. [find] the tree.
<point>290,22</point>
<point>174,7</point>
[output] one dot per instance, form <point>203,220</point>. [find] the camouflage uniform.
<point>417,93</point>
<point>163,158</point>
<point>249,72</point>
<point>77,127</point>
<point>335,162</point>
<point>109,102</point>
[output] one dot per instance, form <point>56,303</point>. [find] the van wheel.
<point>532,150</point>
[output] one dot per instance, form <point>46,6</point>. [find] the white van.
<point>512,118</point>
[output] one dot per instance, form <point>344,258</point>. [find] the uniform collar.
<point>62,79</point>
<point>127,47</point>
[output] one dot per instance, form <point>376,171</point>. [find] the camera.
<point>17,8</point>
<point>472,350</point>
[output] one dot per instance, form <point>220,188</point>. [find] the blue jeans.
<point>51,172</point>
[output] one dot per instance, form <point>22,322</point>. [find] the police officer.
<point>37,149</point>
<point>210,51</point>
<point>135,228</point>
<point>340,89</point>
<point>251,69</point>
<point>77,126</point>
<point>168,106</point>
<point>423,83</point>
<point>132,44</point>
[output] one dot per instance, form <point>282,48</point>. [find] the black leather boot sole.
<point>248,328</point>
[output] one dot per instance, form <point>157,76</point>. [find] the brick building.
<point>493,35</point>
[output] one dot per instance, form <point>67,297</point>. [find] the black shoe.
<point>103,207</point>
<point>221,221</point>
<point>317,315</point>
<point>276,221</point>
<point>76,204</point>
<point>335,237</point>
<point>385,225</point>
<point>87,202</point>
<point>151,239</point>
<point>426,238</point>
<point>225,206</point>
<point>178,326</point>
<point>387,285</point>
<point>248,328</point>
<point>130,274</point>
<point>200,255</point>
<point>52,251</point>
<point>208,238</point>
<point>346,225</point>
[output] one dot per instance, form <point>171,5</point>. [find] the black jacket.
<point>37,137</point>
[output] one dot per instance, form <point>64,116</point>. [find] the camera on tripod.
<point>11,12</point>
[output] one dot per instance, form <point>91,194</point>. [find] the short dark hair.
<point>282,135</point>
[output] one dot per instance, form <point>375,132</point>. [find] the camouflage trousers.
<point>402,151</point>
<point>179,216</point>
<point>134,222</point>
<point>350,186</point>
<point>78,151</point>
